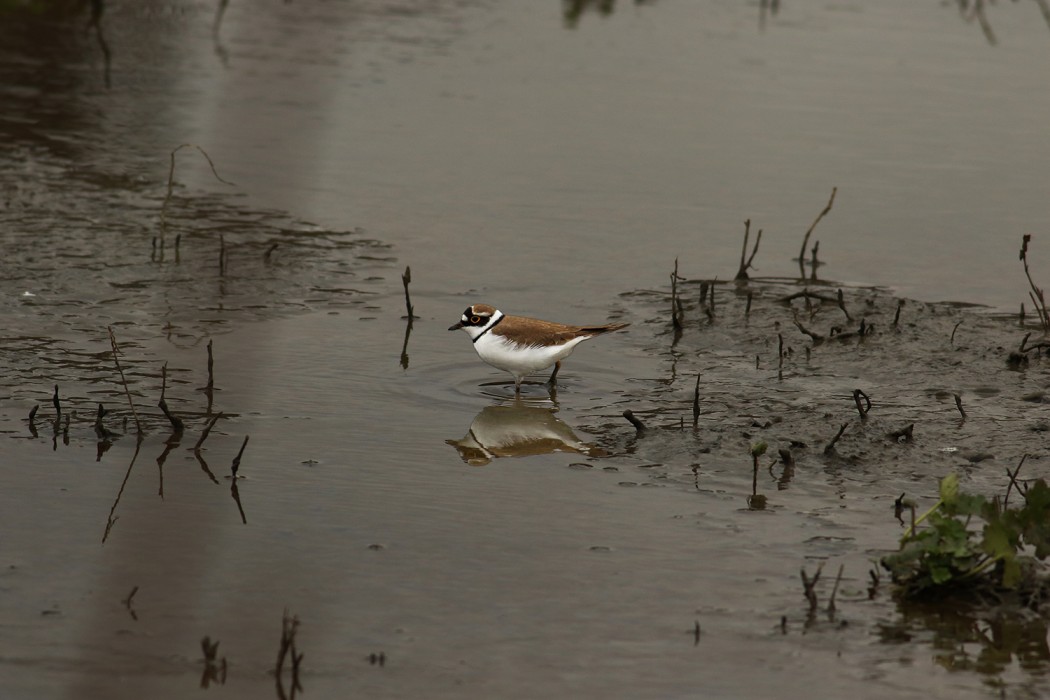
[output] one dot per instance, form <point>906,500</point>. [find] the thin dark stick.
<point>807,294</point>
<point>207,430</point>
<point>817,337</point>
<point>211,367</point>
<point>958,405</point>
<point>100,429</point>
<point>982,20</point>
<point>952,339</point>
<point>746,265</point>
<point>1013,480</point>
<point>237,460</point>
<point>805,239</point>
<point>866,407</point>
<point>123,380</point>
<point>842,305</point>
<point>830,447</point>
<point>171,181</point>
<point>406,278</point>
<point>809,586</point>
<point>404,345</point>
<point>696,402</point>
<point>112,519</point>
<point>676,307</point>
<point>742,272</point>
<point>1036,294</point>
<point>176,423</point>
<point>897,316</point>
<point>57,404</point>
<point>236,494</point>
<point>835,590</point>
<point>127,603</point>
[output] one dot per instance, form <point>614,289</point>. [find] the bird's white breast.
<point>509,356</point>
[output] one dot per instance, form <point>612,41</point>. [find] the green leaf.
<point>1011,572</point>
<point>969,504</point>
<point>1000,541</point>
<point>1037,498</point>
<point>949,488</point>
<point>940,574</point>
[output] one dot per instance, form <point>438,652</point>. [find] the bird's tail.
<point>598,330</point>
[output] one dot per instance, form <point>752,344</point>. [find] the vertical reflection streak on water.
<point>111,520</point>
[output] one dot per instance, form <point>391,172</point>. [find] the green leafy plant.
<point>946,549</point>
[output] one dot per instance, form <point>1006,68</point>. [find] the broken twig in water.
<point>805,239</point>
<point>207,430</point>
<point>111,520</point>
<point>176,423</point>
<point>842,305</point>
<point>809,586</point>
<point>123,380</point>
<point>56,403</point>
<point>211,368</point>
<point>1036,294</point>
<point>958,405</point>
<point>127,603</point>
<point>171,182</point>
<point>633,420</point>
<point>676,304</point>
<point>289,626</point>
<point>100,429</point>
<point>817,337</point>
<point>406,279</point>
<point>745,262</point>
<point>864,408</point>
<point>237,460</point>
<point>830,447</point>
<point>835,589</point>
<point>696,402</point>
<point>213,672</point>
<point>1013,481</point>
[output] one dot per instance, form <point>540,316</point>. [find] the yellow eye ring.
<point>475,319</point>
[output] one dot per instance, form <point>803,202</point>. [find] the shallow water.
<point>396,498</point>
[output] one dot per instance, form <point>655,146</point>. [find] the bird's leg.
<point>553,381</point>
<point>517,385</point>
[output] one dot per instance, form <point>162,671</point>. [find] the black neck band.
<point>493,325</point>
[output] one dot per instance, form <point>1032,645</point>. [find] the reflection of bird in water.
<point>518,431</point>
